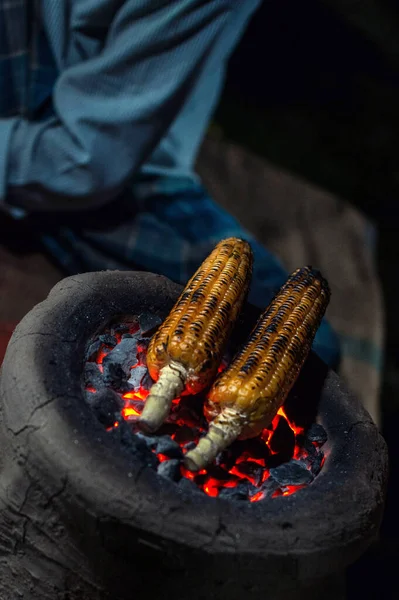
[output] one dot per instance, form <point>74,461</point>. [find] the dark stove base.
<point>80,519</point>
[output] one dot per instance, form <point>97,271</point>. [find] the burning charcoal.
<point>291,473</point>
<point>148,323</point>
<point>118,362</point>
<point>307,446</point>
<point>269,487</point>
<point>168,447</point>
<point>316,433</point>
<point>170,469</point>
<point>133,445</point>
<point>136,376</point>
<point>93,376</point>
<point>185,434</point>
<point>93,350</point>
<point>108,339</point>
<point>252,471</point>
<point>105,404</point>
<point>240,492</point>
<point>316,462</point>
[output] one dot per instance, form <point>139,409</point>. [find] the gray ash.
<point>281,461</point>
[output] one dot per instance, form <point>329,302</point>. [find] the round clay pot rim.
<point>342,506</point>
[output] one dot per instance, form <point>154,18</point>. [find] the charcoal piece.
<point>133,445</point>
<point>316,462</point>
<point>185,434</point>
<point>269,487</point>
<point>294,472</point>
<point>117,364</point>
<point>189,487</point>
<point>251,470</point>
<point>151,441</point>
<point>189,446</point>
<point>148,323</point>
<point>146,381</point>
<point>256,448</point>
<point>120,328</point>
<point>168,447</point>
<point>170,469</point>
<point>106,404</point>
<point>240,492</point>
<point>128,327</point>
<point>317,433</point>
<point>283,440</point>
<point>309,448</point>
<point>93,350</point>
<point>93,377</point>
<point>108,339</point>
<point>136,376</point>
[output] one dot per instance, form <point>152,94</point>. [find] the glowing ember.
<point>243,470</point>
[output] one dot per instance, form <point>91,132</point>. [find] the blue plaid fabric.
<point>102,110</point>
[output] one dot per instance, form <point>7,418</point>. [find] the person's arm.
<point>110,110</point>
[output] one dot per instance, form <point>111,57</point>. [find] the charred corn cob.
<point>185,352</point>
<point>247,396</point>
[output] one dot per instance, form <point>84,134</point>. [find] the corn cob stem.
<point>222,432</point>
<point>171,383</point>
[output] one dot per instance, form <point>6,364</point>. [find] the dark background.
<point>314,87</point>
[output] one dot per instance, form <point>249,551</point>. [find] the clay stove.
<point>92,510</point>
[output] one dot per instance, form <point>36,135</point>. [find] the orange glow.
<point>162,457</point>
<point>186,473</point>
<point>238,473</point>
<point>296,430</point>
<point>291,489</point>
<point>141,395</point>
<point>241,464</point>
<point>101,355</point>
<point>211,487</point>
<point>129,412</point>
<point>256,497</point>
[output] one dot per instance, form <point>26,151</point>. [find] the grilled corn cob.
<point>247,396</point>
<point>185,352</point>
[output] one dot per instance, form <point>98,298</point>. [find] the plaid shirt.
<point>104,106</point>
